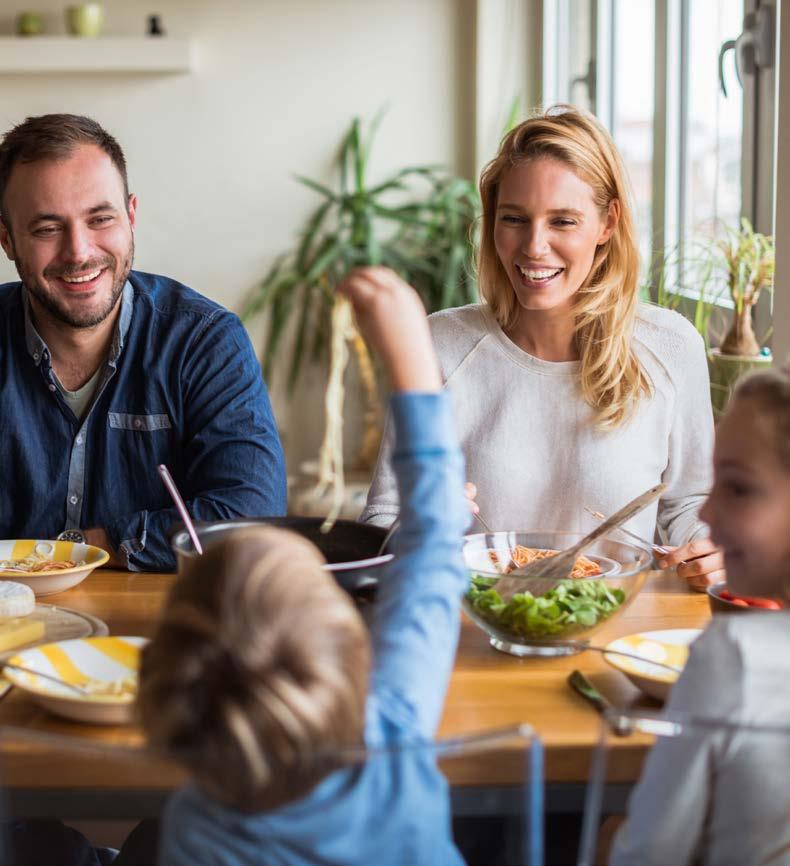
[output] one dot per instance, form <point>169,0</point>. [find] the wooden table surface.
<point>488,689</point>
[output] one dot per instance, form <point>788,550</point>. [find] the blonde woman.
<point>568,392</point>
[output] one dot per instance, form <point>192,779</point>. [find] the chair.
<point>496,772</point>
<point>735,763</point>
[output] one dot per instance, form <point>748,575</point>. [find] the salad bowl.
<point>557,618</point>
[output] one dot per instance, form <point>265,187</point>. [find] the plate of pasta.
<point>104,667</point>
<point>48,566</point>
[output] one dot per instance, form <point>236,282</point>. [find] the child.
<point>726,799</point>
<point>261,664</point>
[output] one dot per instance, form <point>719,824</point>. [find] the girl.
<point>726,799</point>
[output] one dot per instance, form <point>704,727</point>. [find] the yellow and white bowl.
<point>100,663</point>
<point>50,581</point>
<point>670,646</point>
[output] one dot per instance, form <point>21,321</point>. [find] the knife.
<point>579,683</point>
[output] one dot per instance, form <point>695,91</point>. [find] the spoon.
<point>167,478</point>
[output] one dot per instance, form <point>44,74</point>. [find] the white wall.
<point>211,154</point>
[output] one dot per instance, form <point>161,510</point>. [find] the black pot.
<point>350,548</point>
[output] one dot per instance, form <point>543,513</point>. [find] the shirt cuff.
<point>423,422</point>
<point>128,536</point>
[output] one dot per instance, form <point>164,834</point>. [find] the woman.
<point>568,392</point>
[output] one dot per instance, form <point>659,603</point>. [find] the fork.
<point>72,686</point>
<point>659,548</point>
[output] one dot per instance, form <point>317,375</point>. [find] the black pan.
<point>350,548</point>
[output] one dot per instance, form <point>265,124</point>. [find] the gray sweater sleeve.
<point>383,506</point>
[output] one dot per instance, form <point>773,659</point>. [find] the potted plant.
<point>747,262</point>
<point>418,221</point>
<point>694,280</point>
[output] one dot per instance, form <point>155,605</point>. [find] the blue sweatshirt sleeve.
<point>416,618</point>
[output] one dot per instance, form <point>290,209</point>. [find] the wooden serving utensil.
<point>544,574</point>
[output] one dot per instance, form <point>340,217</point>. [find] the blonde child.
<point>720,799</point>
<point>261,666</point>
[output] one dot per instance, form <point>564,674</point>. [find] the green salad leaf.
<point>572,605</point>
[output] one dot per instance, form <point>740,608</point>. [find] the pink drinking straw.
<point>167,478</point>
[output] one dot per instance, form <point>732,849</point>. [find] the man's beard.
<point>52,305</point>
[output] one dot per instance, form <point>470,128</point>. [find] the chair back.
<point>495,772</point>
<point>745,765</point>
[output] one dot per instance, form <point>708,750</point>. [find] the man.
<point>106,372</point>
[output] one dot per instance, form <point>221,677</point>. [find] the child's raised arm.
<point>391,318</point>
<point>415,625</point>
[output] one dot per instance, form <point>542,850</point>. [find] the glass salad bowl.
<point>542,617</point>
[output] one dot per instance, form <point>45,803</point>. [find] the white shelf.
<point>46,54</point>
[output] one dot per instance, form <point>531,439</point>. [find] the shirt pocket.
<point>139,423</point>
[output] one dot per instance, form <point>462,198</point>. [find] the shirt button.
<point>74,499</point>
<point>137,423</point>
<point>79,439</point>
<point>35,356</point>
<point>52,387</point>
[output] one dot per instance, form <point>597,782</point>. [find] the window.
<point>650,70</point>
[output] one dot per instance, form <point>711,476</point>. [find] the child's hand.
<point>392,320</point>
<point>700,561</point>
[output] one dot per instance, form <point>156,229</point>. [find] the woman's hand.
<point>699,561</point>
<point>470,492</point>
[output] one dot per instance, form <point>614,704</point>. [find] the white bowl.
<point>103,659</point>
<point>50,581</point>
<point>670,646</point>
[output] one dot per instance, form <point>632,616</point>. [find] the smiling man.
<point>106,372</point>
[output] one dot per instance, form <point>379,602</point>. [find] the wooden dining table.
<point>51,767</point>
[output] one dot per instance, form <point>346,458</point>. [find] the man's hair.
<point>258,669</point>
<point>54,137</point>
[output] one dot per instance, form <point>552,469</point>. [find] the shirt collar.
<point>36,347</point>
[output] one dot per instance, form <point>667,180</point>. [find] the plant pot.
<point>725,370</point>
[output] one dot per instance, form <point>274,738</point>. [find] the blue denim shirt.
<point>395,810</point>
<point>181,386</point>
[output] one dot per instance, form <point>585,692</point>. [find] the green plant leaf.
<point>319,188</point>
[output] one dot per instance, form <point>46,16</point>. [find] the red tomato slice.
<point>766,603</point>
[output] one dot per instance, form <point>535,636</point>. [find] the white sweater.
<point>531,445</point>
<point>721,799</point>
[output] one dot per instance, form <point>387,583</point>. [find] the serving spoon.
<point>545,573</point>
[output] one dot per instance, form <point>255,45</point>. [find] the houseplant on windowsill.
<point>747,262</point>
<point>695,280</point>
<point>419,221</point>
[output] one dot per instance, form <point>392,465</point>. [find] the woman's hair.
<point>611,378</point>
<point>770,389</point>
<point>258,667</point>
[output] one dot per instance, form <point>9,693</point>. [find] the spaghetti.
<point>330,468</point>
<point>521,555</point>
<point>35,563</point>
